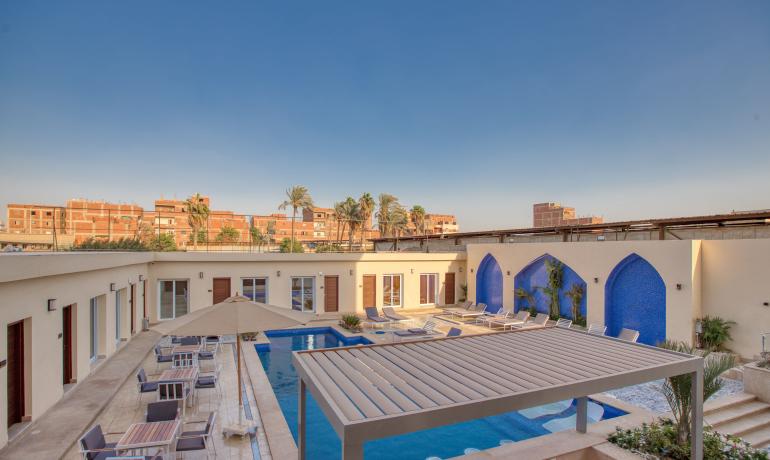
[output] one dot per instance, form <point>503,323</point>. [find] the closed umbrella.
<point>234,315</point>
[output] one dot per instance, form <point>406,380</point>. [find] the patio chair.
<point>596,329</point>
<point>541,319</point>
<point>198,439</point>
<point>426,329</point>
<point>373,316</point>
<point>519,318</point>
<point>143,385</point>
<point>162,411</point>
<point>184,360</point>
<point>209,351</point>
<point>94,446</point>
<point>209,380</point>
<point>160,357</point>
<point>629,335</point>
<point>564,322</point>
<point>190,340</point>
<point>393,316</point>
<point>454,332</point>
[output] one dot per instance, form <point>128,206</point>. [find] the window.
<point>428,288</point>
<point>172,299</point>
<point>117,316</point>
<point>94,307</point>
<point>34,213</point>
<point>391,290</point>
<point>255,289</point>
<point>302,294</point>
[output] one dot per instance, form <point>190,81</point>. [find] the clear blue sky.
<point>624,109</point>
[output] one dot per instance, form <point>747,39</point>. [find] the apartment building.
<point>281,226</point>
<point>555,215</point>
<point>441,224</point>
<point>100,219</point>
<point>326,226</point>
<point>35,219</point>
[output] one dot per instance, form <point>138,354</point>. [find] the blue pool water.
<point>443,442</point>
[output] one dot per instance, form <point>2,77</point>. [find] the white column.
<point>581,422</point>
<point>302,412</point>
<point>696,399</point>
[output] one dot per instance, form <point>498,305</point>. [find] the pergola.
<point>384,390</point>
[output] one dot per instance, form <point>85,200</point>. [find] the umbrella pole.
<point>240,388</point>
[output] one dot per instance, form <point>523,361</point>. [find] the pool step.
<point>741,415</point>
<point>735,412</point>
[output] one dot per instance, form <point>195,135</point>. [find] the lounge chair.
<point>501,314</point>
<point>564,322</point>
<point>479,310</point>
<point>391,314</point>
<point>426,329</point>
<point>463,307</point>
<point>198,439</point>
<point>519,318</point>
<point>454,332</point>
<point>629,335</point>
<point>540,320</point>
<point>373,316</point>
<point>162,411</point>
<point>596,329</point>
<point>595,413</point>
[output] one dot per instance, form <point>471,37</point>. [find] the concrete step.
<point>736,411</point>
<point>745,425</point>
<point>759,438</point>
<point>726,401</point>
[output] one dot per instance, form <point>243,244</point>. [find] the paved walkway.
<point>52,434</point>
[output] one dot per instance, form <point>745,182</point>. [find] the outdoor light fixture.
<point>411,270</point>
<point>596,280</point>
<point>508,273</point>
<point>320,273</point>
<point>471,270</point>
<point>51,304</point>
<point>351,272</point>
<point>112,286</point>
<point>200,275</point>
<point>141,278</point>
<point>678,286</point>
<point>461,269</point>
<point>278,273</point>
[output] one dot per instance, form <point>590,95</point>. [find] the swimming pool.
<point>443,442</point>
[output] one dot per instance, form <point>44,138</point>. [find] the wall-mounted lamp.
<point>461,269</point>
<point>51,304</point>
<point>200,275</point>
<point>596,280</point>
<point>411,270</point>
<point>278,273</point>
<point>141,278</point>
<point>351,272</point>
<point>678,286</point>
<point>471,270</point>
<point>766,304</point>
<point>320,273</point>
<point>508,273</point>
<point>112,287</point>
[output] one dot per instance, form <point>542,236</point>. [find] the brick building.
<point>35,219</point>
<point>281,223</point>
<point>326,227</point>
<point>554,215</point>
<point>100,219</point>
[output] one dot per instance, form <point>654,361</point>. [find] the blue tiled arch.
<point>635,298</point>
<point>534,274</point>
<point>489,283</point>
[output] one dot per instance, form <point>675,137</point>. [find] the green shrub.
<point>716,332</point>
<point>286,246</point>
<point>659,439</point>
<point>99,244</point>
<point>351,321</point>
<point>331,247</point>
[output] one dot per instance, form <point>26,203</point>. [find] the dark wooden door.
<point>15,372</point>
<point>331,293</point>
<point>132,303</point>
<point>370,291</point>
<point>449,289</point>
<point>144,299</point>
<point>221,289</point>
<point>67,344</point>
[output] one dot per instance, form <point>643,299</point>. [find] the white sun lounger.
<point>540,320</point>
<point>465,306</point>
<point>547,409</point>
<point>520,318</point>
<point>595,413</point>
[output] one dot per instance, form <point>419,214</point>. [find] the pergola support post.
<point>581,422</point>
<point>302,421</point>
<point>696,399</point>
<point>352,450</point>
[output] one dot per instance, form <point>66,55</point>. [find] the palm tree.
<point>197,214</point>
<point>259,238</point>
<point>270,233</point>
<point>366,203</point>
<point>298,198</point>
<point>339,216</point>
<point>417,214</point>
<point>351,212</point>
<point>399,222</point>
<point>386,203</point>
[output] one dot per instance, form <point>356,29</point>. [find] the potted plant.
<point>715,333</point>
<point>351,323</point>
<point>464,291</point>
<point>576,294</point>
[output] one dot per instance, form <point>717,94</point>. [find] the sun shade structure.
<point>378,391</point>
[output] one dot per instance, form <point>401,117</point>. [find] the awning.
<point>385,390</point>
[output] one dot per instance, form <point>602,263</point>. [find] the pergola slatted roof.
<point>384,390</point>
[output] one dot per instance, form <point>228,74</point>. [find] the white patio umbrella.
<point>234,315</point>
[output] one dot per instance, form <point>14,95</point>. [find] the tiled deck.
<point>124,410</point>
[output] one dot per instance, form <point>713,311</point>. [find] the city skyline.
<point>621,110</point>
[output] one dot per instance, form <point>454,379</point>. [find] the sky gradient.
<point>622,109</point>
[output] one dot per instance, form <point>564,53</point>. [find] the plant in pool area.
<point>716,332</point>
<point>555,271</point>
<point>464,290</point>
<point>576,294</point>
<point>659,440</point>
<point>351,322</point>
<point>677,389</point>
<point>524,295</point>
<point>764,360</point>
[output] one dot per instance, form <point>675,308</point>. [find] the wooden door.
<point>449,289</point>
<point>144,299</point>
<point>221,289</point>
<point>331,293</point>
<point>132,303</point>
<point>67,344</point>
<point>370,291</point>
<point>15,372</point>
